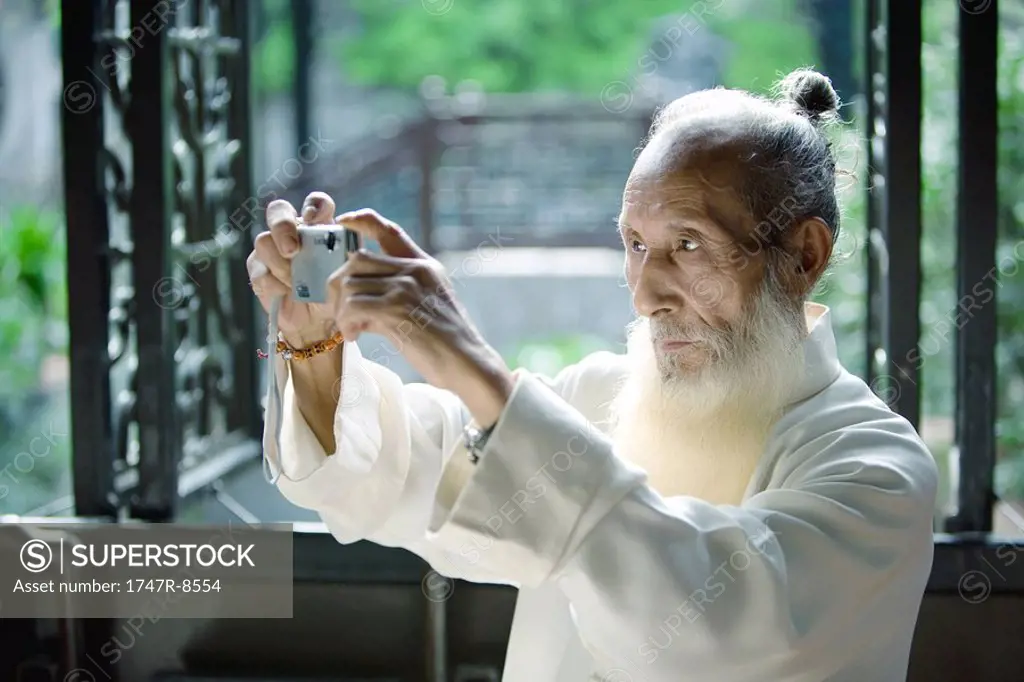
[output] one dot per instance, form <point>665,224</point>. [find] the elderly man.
<point>722,502</point>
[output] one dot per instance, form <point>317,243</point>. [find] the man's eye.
<point>637,246</point>
<point>688,245</point>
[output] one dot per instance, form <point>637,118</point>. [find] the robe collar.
<point>821,360</point>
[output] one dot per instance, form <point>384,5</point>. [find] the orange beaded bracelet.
<point>289,353</point>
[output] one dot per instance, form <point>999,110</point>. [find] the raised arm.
<point>350,447</point>
<point>392,441</point>
<point>368,457</point>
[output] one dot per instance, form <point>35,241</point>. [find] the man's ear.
<point>809,244</point>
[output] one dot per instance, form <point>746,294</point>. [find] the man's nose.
<point>655,291</point>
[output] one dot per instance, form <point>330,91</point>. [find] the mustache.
<point>732,337</point>
<point>696,332</point>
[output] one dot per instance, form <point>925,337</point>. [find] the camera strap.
<point>273,469</point>
<point>273,415</point>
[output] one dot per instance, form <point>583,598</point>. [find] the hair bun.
<point>811,94</point>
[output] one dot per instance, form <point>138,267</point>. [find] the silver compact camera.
<point>322,250</point>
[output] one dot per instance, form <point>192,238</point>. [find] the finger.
<point>358,265</point>
<point>364,262</point>
<point>342,289</point>
<point>268,255</point>
<point>393,239</point>
<point>255,267</point>
<point>378,286</point>
<point>263,283</point>
<point>364,313</point>
<point>318,209</point>
<point>259,272</point>
<point>283,223</point>
<point>267,287</point>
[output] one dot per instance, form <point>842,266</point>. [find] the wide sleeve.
<point>390,439</point>
<point>792,578</point>
<point>392,442</point>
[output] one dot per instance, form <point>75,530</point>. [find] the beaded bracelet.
<point>289,353</point>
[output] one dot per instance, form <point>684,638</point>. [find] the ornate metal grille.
<point>159,222</point>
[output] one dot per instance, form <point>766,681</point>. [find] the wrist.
<point>484,383</point>
<point>310,334</point>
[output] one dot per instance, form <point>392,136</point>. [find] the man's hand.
<point>315,381</point>
<point>270,269</point>
<point>406,296</point>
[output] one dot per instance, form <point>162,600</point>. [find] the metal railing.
<point>542,170</point>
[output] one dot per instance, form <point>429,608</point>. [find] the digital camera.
<point>322,250</point>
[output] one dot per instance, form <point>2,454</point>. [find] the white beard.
<point>701,432</point>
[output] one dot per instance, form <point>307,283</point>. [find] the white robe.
<point>817,575</point>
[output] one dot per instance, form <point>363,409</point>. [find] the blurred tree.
<point>1010,348</point>
<point>769,40</point>
<point>273,52</point>
<point>834,30</point>
<point>33,305</point>
<point>568,45</point>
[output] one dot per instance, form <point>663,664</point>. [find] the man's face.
<point>694,263</point>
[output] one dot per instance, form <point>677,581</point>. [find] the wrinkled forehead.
<point>674,182</point>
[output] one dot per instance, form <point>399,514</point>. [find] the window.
<point>513,122</point>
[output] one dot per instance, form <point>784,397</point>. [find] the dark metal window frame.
<point>894,72</point>
<point>894,226</point>
<point>977,234</point>
<point>894,109</point>
<point>176,386</point>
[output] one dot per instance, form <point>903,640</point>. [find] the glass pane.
<point>563,180</point>
<point>35,472</point>
<point>937,345</point>
<point>273,107</point>
<point>382,68</point>
<point>1009,479</point>
<point>567,96</point>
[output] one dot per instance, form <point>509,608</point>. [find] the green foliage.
<point>52,8</point>
<point>548,356</point>
<point>33,291</point>
<point>506,46</point>
<point>1010,350</point>
<point>274,60</point>
<point>941,311</point>
<point>767,44</point>
<point>273,53</point>
<point>569,45</point>
<point>33,312</point>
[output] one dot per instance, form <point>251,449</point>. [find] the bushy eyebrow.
<point>680,225</point>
